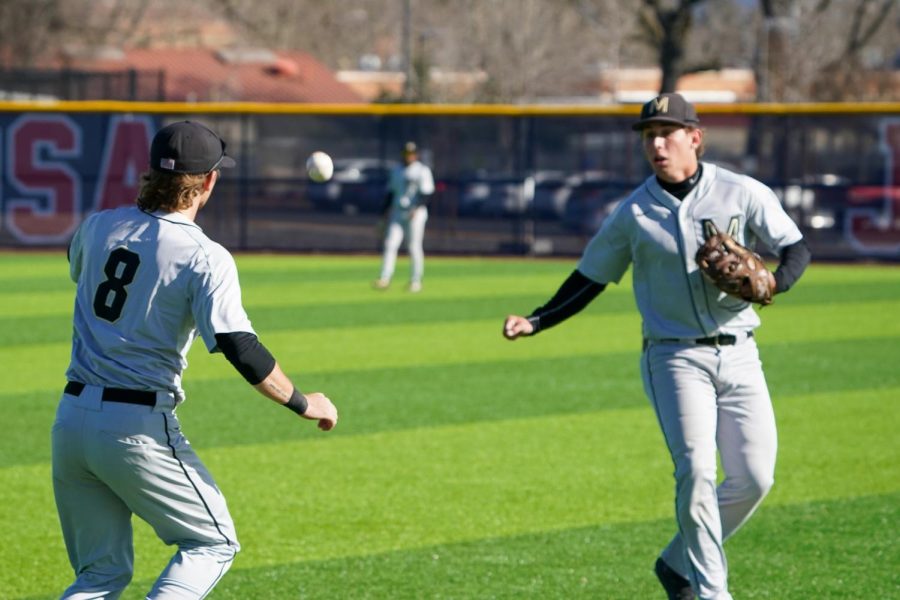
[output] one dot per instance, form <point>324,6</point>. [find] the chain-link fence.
<point>523,180</point>
<point>73,84</point>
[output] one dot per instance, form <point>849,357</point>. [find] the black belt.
<point>144,398</point>
<point>723,339</point>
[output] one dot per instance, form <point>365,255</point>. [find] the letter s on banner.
<point>50,212</point>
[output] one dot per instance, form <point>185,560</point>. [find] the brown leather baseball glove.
<point>735,270</point>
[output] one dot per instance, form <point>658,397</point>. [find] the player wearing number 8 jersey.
<point>149,281</point>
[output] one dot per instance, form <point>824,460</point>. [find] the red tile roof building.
<point>229,75</point>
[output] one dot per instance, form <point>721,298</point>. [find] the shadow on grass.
<point>824,550</point>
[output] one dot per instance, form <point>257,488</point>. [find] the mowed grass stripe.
<point>30,323</point>
<point>286,282</point>
<point>337,349</point>
<point>225,411</point>
<point>348,277</point>
<point>306,304</point>
<point>289,295</point>
<point>374,347</point>
<point>36,265</point>
<point>385,492</point>
<point>48,328</point>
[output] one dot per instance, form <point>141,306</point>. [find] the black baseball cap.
<point>188,147</point>
<point>669,108</point>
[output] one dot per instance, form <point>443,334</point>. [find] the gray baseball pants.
<point>112,460</point>
<point>412,227</point>
<point>709,398</point>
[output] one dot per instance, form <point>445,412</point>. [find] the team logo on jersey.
<point>733,229</point>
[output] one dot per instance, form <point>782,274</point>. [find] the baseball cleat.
<point>381,284</point>
<point>676,586</point>
<point>415,286</point>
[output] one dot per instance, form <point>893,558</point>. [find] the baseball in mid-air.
<point>319,166</point>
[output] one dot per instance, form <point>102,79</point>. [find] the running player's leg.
<point>165,483</point>
<point>96,524</point>
<point>679,384</point>
<point>416,251</point>
<point>747,437</point>
<point>392,241</point>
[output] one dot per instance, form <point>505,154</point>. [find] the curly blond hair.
<point>168,191</point>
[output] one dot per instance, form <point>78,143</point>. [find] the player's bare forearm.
<point>278,387</point>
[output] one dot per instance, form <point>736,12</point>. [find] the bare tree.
<point>666,26</point>
<point>844,76</point>
<point>779,18</point>
<point>818,49</point>
<point>527,50</point>
<point>540,52</point>
<point>27,28</point>
<point>334,32</point>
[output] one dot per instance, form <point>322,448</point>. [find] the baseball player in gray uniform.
<point>700,364</point>
<point>408,188</point>
<point>148,282</point>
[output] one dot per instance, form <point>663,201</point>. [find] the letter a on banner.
<point>125,156</point>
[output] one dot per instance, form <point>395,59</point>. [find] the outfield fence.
<point>510,179</point>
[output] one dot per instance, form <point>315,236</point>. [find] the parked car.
<point>551,193</point>
<point>491,195</point>
<point>816,201</point>
<point>594,195</point>
<point>542,194</point>
<point>357,185</point>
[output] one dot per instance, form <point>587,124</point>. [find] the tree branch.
<point>859,35</point>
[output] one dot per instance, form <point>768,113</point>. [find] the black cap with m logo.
<point>669,108</point>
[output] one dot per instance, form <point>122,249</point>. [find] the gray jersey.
<point>659,235</point>
<point>133,331</point>
<point>408,184</point>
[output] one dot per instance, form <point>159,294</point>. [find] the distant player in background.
<point>700,364</point>
<point>405,206</point>
<point>148,282</point>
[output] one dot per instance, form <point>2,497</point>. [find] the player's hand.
<point>319,408</point>
<point>516,326</point>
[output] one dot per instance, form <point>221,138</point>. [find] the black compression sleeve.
<point>247,354</point>
<point>794,260</point>
<point>573,295</point>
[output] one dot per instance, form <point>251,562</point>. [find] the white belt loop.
<point>165,402</point>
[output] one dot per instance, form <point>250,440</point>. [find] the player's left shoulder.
<point>421,167</point>
<point>749,186</point>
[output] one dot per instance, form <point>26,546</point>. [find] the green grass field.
<point>465,466</point>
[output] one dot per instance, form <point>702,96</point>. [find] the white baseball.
<point>319,166</point>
